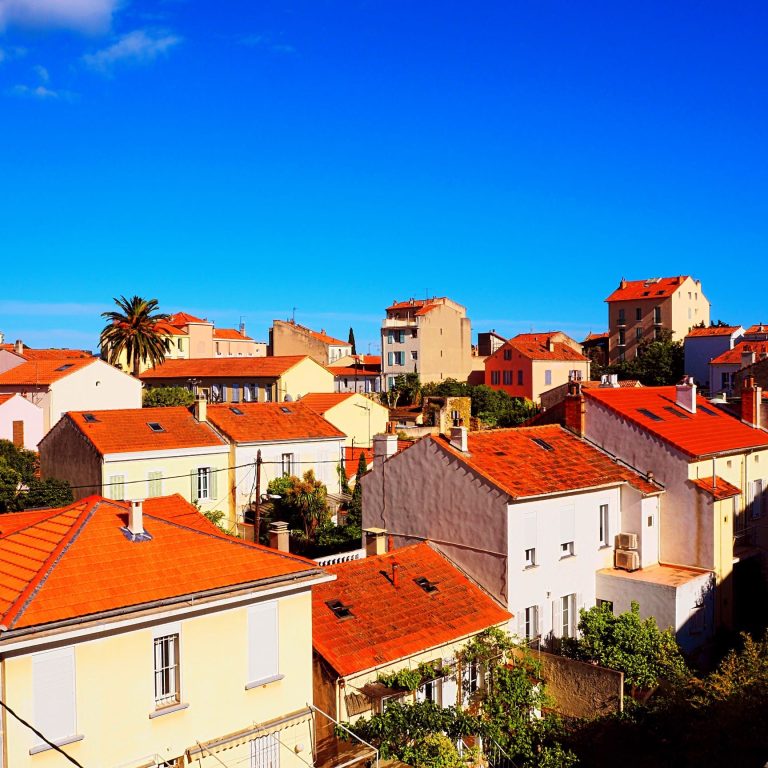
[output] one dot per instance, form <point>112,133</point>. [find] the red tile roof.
<point>73,562</point>
<point>230,333</point>
<point>720,490</point>
<point>715,330</point>
<point>756,329</point>
<point>632,383</point>
<point>597,337</point>
<point>390,622</point>
<point>324,401</point>
<point>352,455</point>
<point>182,318</point>
<point>43,372</point>
<point>660,288</point>
<point>733,356</point>
<point>268,422</point>
<point>169,329</point>
<point>6,398</point>
<point>534,461</point>
<point>330,340</point>
<point>535,347</point>
<point>362,372</point>
<point>127,430</point>
<point>55,354</point>
<point>707,432</point>
<point>414,303</point>
<point>224,367</point>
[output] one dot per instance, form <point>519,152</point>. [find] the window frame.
<point>167,699</point>
<point>287,459</point>
<point>204,484</point>
<point>604,525</point>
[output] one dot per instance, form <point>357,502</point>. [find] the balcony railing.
<point>397,322</point>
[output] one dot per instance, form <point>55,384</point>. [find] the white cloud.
<point>89,16</point>
<point>42,73</point>
<point>138,47</point>
<point>37,92</point>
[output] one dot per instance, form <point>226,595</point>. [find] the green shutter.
<point>212,485</point>
<point>193,489</point>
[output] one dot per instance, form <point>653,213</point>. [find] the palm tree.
<point>134,330</point>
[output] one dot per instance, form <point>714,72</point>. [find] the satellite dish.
<point>288,399</point>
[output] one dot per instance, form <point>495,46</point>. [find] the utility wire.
<point>39,735</point>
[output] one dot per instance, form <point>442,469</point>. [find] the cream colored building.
<point>358,417</point>
<point>638,310</point>
<point>140,453</point>
<point>430,337</point>
<point>112,641</point>
<point>287,337</point>
<point>236,380</point>
<point>71,384</point>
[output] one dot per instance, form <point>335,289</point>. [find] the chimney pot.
<point>18,347</point>
<point>685,394</point>
<point>751,399</point>
<point>279,536</point>
<point>459,438</point>
<point>136,517</point>
<point>375,541</point>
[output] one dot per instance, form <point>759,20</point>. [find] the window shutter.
<point>263,638</point>
<point>450,691</point>
<point>193,484</point>
<point>223,393</point>
<point>53,674</point>
<point>212,484</point>
<point>566,524</point>
<point>521,623</point>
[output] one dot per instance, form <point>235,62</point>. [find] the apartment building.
<point>702,345</point>
<point>430,337</point>
<point>639,310</point>
<point>287,337</point>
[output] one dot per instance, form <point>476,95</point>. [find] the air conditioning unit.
<point>626,541</point>
<point>626,559</point>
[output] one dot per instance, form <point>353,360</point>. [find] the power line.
<point>40,735</point>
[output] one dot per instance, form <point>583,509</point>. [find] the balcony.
<point>396,322</point>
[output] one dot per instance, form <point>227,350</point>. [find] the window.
<point>53,697</point>
<point>203,484</point>
<point>495,377</point>
<point>605,604</point>
<point>263,644</point>
<point>471,680</point>
<point>507,354</point>
<point>414,355</point>
<point>656,334</point>
<point>265,752</point>
<point>531,622</point>
<point>155,484</point>
<point>155,427</point>
<point>508,377</point>
<point>638,314</point>
<point>604,541</point>
<point>548,378</point>
<point>566,549</point>
<point>622,337</point>
<point>287,464</point>
<point>267,394</point>
<point>650,521</point>
<point>215,393</point>
<point>391,337</point>
<point>399,358</point>
<point>167,678</point>
<point>431,691</point>
<point>89,418</point>
<point>246,393</point>
<point>530,557</point>
<point>218,348</point>
<point>116,487</point>
<point>235,393</point>
<point>414,333</point>
<point>638,333</point>
<point>657,315</point>
<point>568,615</point>
<point>426,584</point>
<point>621,317</point>
<point>520,378</point>
<point>756,499</point>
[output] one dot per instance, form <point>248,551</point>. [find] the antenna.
<point>293,315</point>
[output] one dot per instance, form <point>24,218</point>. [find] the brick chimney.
<point>751,397</point>
<point>685,394</point>
<point>375,541</point>
<point>136,517</point>
<point>459,438</point>
<point>201,408</point>
<point>384,447</point>
<point>279,536</point>
<point>575,411</point>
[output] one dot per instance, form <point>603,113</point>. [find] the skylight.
<point>426,584</point>
<point>650,414</point>
<point>236,411</point>
<point>285,410</point>
<point>542,444</point>
<point>675,411</point>
<point>155,427</point>
<point>90,418</point>
<point>65,367</point>
<point>340,611</point>
<point>708,411</point>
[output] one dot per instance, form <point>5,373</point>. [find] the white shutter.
<point>567,525</point>
<point>450,691</point>
<point>53,684</point>
<point>529,530</point>
<point>212,483</point>
<point>263,637</point>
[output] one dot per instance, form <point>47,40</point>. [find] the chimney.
<point>550,345</point>
<point>375,541</point>
<point>459,438</point>
<point>685,394</point>
<point>751,397</point>
<point>575,411</point>
<point>609,381</point>
<point>279,536</point>
<point>242,328</point>
<point>136,518</point>
<point>201,408</point>
<point>384,446</point>
<point>622,283</point>
<point>395,566</point>
<point>747,357</point>
<point>18,347</point>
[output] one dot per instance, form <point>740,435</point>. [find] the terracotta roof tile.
<point>43,372</point>
<point>55,354</point>
<point>753,330</point>
<point>391,622</point>
<point>534,461</point>
<point>537,348</point>
<point>324,401</point>
<point>721,489</point>
<point>224,367</point>
<point>648,289</point>
<point>330,340</point>
<point>266,422</point>
<point>715,330</point>
<point>127,430</point>
<point>733,356</point>
<point>182,318</point>
<point>597,337</point>
<point>230,333</point>
<point>72,562</point>
<point>707,432</point>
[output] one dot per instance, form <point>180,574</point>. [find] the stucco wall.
<point>699,350</point>
<point>212,683</point>
<point>306,376</point>
<point>65,454</point>
<point>18,408</point>
<point>359,418</point>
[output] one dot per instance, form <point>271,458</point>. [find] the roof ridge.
<point>54,512</point>
<point>21,603</point>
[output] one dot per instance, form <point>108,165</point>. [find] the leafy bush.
<point>164,397</point>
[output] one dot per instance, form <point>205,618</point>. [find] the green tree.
<point>352,340</point>
<point>50,492</point>
<point>134,330</point>
<point>163,397</point>
<point>25,463</point>
<point>355,509</point>
<point>632,645</point>
<point>304,503</point>
<point>658,362</point>
<point>21,488</point>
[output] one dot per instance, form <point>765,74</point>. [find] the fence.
<point>341,557</point>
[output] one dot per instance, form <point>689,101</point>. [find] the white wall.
<point>20,409</point>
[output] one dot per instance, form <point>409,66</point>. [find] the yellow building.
<point>358,417</point>
<point>235,380</point>
<point>119,649</point>
<point>141,453</point>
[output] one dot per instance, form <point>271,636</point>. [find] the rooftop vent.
<point>155,427</point>
<point>90,418</point>
<point>340,611</point>
<point>426,584</point>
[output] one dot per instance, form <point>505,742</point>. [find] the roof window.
<point>426,584</point>
<point>155,427</point>
<point>542,444</point>
<point>675,411</point>
<point>646,293</point>
<point>708,411</point>
<point>65,367</point>
<point>340,611</point>
<point>90,418</point>
<point>285,410</point>
<point>236,411</point>
<point>650,414</point>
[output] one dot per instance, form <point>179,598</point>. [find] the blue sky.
<point>242,159</point>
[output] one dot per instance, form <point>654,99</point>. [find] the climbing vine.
<point>408,679</point>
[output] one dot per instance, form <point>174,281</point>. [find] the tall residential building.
<point>431,337</point>
<point>287,337</point>
<point>640,309</point>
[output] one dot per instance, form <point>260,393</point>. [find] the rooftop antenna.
<point>293,315</point>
